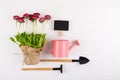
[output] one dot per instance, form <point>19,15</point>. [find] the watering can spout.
<point>75,43</point>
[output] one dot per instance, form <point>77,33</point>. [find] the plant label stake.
<point>81,60</point>
<point>60,69</point>
<point>60,26</point>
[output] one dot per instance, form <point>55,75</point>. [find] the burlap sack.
<point>31,55</point>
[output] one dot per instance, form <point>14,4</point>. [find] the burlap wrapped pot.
<point>31,55</point>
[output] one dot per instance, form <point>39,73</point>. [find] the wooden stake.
<point>60,33</point>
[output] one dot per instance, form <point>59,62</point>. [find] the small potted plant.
<point>28,38</point>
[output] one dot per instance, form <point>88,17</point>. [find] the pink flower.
<point>26,15</point>
<point>42,19</point>
<point>31,17</point>
<point>35,17</point>
<point>47,17</point>
<point>37,14</point>
<point>16,17</point>
<point>21,20</point>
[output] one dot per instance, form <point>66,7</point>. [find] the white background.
<point>95,23</point>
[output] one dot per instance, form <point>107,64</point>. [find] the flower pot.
<point>31,55</point>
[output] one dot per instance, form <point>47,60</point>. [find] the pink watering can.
<point>60,48</point>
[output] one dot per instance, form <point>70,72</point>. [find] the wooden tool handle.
<point>37,68</point>
<point>60,33</point>
<point>58,60</point>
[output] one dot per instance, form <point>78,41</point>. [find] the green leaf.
<point>30,39</point>
<point>13,40</point>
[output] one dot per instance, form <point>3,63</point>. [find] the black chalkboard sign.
<point>61,25</point>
